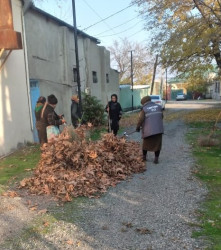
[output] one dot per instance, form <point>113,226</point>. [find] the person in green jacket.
<point>38,109</point>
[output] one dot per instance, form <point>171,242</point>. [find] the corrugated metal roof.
<point>122,86</point>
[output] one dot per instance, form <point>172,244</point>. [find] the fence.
<point>126,97</point>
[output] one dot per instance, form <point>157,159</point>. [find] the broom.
<point>108,111</point>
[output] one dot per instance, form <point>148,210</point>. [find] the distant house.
<point>215,90</point>
<point>180,85</point>
<point>176,86</point>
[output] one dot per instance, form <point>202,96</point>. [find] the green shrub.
<point>93,110</point>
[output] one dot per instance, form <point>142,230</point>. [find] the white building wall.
<point>15,119</point>
<point>214,91</point>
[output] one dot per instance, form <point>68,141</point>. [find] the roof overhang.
<point>9,39</point>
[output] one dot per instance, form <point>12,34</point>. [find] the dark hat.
<point>145,99</point>
<point>52,99</point>
<point>114,95</point>
<point>41,99</point>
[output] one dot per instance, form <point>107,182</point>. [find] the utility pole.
<point>166,86</point>
<point>154,74</point>
<point>132,78</point>
<point>77,56</point>
<point>161,84</point>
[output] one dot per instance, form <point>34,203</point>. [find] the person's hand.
<point>108,109</point>
<point>137,129</point>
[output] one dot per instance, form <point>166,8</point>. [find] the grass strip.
<point>208,170</point>
<point>14,166</point>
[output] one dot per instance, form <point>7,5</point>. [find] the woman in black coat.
<point>114,111</point>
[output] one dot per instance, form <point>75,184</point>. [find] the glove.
<point>137,129</point>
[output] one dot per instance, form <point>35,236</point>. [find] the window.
<point>75,74</point>
<point>107,78</point>
<point>94,74</point>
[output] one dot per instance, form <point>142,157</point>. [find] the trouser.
<point>74,122</point>
<point>42,135</point>
<point>157,153</point>
<point>114,126</point>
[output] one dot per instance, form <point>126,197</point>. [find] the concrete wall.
<point>15,118</point>
<point>51,57</point>
<point>48,57</point>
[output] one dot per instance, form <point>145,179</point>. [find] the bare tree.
<point>61,10</point>
<point>120,58</point>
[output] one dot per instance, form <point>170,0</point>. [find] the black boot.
<point>144,155</point>
<point>156,161</point>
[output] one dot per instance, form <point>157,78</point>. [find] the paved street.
<point>191,104</point>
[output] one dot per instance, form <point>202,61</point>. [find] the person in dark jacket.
<point>38,108</point>
<point>75,111</point>
<point>151,121</point>
<point>49,117</point>
<point>114,111</point>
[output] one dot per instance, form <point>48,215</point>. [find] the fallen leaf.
<point>43,211</point>
<point>128,224</point>
<point>143,230</point>
<point>93,155</point>
<point>105,227</point>
<point>46,223</point>
<point>10,194</point>
<point>70,242</point>
<point>75,166</point>
<point>33,208</point>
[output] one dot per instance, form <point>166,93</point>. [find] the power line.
<point>97,14</point>
<point>118,25</point>
<point>108,17</point>
<point>135,33</point>
<point>123,30</point>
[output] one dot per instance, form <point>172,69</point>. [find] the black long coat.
<point>115,113</point>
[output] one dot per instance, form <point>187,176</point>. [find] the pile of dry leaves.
<point>74,166</point>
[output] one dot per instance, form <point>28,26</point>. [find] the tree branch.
<point>202,13</point>
<point>211,9</point>
<point>219,3</point>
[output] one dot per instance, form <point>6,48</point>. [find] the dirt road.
<point>154,210</point>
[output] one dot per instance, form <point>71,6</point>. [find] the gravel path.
<point>14,215</point>
<point>153,210</point>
